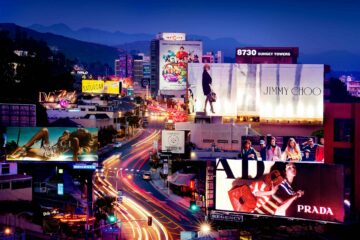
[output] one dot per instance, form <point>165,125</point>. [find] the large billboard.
<point>284,189</point>
<point>284,148</point>
<point>289,92</point>
<point>174,57</point>
<point>173,141</point>
<point>100,86</point>
<point>52,144</point>
<point>58,99</point>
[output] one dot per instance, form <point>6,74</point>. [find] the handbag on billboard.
<point>212,96</point>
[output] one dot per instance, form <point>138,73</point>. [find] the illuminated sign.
<point>224,216</point>
<point>100,87</point>
<point>60,189</point>
<point>85,167</point>
<point>173,141</point>
<point>284,189</point>
<point>58,99</point>
<point>174,58</point>
<point>267,52</point>
<point>172,36</point>
<point>289,92</point>
<point>73,218</point>
<point>52,144</point>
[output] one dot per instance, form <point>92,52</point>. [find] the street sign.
<point>60,189</point>
<point>84,167</point>
<point>226,216</point>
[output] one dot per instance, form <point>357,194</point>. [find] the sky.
<point>314,25</point>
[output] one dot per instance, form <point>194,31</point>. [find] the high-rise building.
<point>124,66</point>
<point>170,54</point>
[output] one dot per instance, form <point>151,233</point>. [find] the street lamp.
<point>205,228</point>
<point>7,231</point>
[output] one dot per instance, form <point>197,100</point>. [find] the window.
<point>5,185</point>
<point>21,184</point>
<point>343,130</point>
<point>5,168</point>
<point>208,140</point>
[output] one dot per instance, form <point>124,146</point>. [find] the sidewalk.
<point>183,202</point>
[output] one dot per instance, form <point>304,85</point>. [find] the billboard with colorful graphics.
<point>174,57</point>
<point>283,189</point>
<point>51,144</point>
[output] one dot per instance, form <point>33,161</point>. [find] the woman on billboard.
<point>273,151</point>
<point>272,196</point>
<point>206,84</point>
<point>292,151</point>
<point>77,142</point>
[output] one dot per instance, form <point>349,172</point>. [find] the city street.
<point>140,198</point>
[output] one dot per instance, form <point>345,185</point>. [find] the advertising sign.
<point>267,52</point>
<point>173,141</point>
<point>285,148</point>
<point>174,57</point>
<point>58,99</point>
<point>285,189</point>
<point>52,144</point>
<point>100,86</point>
<point>289,92</point>
<point>172,36</point>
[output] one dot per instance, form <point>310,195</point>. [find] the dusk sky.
<point>314,26</point>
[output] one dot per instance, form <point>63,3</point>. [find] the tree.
<point>103,207</point>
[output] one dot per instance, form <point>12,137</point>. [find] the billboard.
<point>51,144</point>
<point>17,115</point>
<point>100,86</point>
<point>289,92</point>
<point>267,55</point>
<point>172,36</point>
<point>286,148</point>
<point>284,189</point>
<point>58,99</point>
<point>173,141</point>
<point>173,60</point>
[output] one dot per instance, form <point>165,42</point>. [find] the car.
<point>117,144</point>
<point>146,175</point>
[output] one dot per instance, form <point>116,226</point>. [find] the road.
<point>123,171</point>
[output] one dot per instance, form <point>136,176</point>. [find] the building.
<point>219,135</point>
<point>342,146</point>
<point>13,115</point>
<point>13,186</point>
<point>170,54</point>
<point>352,85</point>
<point>94,111</point>
<point>281,55</point>
<point>124,66</point>
<point>211,57</point>
<point>141,75</point>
